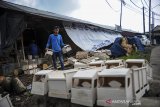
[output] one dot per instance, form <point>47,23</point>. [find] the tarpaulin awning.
<point>90,39</point>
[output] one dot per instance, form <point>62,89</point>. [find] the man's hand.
<point>65,45</point>
<point>46,49</point>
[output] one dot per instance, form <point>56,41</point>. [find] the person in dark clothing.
<point>33,49</point>
<point>56,42</point>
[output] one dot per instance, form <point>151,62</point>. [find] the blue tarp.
<point>137,42</point>
<point>116,48</point>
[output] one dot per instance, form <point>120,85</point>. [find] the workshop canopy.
<point>90,38</point>
<point>86,35</point>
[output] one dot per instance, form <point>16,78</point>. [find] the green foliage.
<point>137,55</point>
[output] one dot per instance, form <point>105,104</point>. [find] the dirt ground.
<point>23,98</point>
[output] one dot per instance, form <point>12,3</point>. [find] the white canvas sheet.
<point>90,40</point>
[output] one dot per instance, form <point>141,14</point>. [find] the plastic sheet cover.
<point>90,40</point>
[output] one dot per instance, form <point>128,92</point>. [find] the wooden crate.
<point>71,60</point>
<point>81,55</point>
<point>31,71</point>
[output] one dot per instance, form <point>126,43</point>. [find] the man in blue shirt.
<point>56,42</point>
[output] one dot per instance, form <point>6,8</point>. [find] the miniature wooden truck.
<point>84,84</point>
<point>66,49</point>
<point>114,86</point>
<point>39,84</point>
<point>80,65</point>
<point>98,63</point>
<point>60,82</point>
<point>138,63</point>
<point>114,63</point>
<point>139,71</point>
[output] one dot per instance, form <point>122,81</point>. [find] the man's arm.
<point>61,42</point>
<point>49,42</point>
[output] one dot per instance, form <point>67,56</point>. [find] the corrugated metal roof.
<point>51,15</point>
<point>46,14</point>
<point>129,30</point>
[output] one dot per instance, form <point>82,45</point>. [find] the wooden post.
<point>24,58</point>
<point>17,54</point>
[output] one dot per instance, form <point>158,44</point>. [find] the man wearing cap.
<point>56,42</point>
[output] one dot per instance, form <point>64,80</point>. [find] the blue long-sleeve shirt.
<point>56,42</point>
